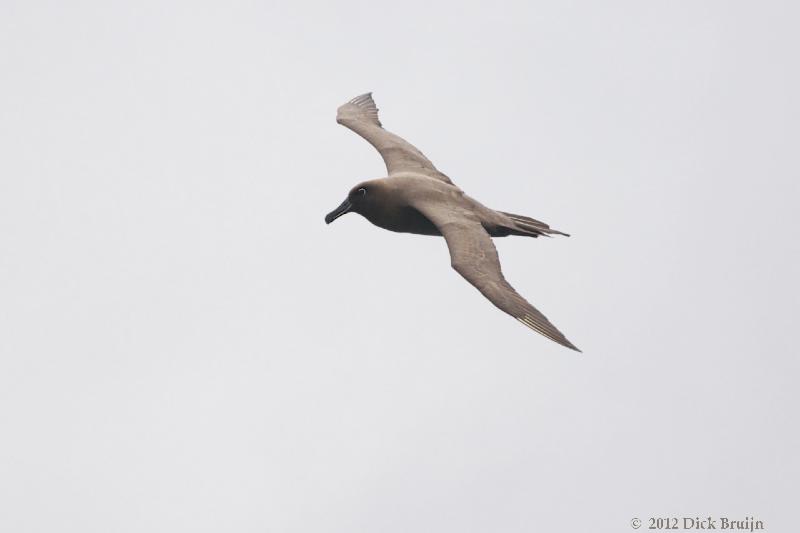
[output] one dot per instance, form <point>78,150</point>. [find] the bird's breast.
<point>403,220</point>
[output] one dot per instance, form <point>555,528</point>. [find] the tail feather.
<point>533,226</point>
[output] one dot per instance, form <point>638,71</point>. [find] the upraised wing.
<point>473,255</point>
<point>361,115</point>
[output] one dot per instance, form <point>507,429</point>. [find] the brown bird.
<point>417,198</point>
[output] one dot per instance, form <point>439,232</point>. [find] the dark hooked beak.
<point>339,211</point>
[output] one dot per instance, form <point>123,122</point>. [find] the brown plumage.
<point>417,198</point>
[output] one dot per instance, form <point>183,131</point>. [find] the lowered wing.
<point>473,255</point>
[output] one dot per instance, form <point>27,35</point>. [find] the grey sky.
<point>185,346</point>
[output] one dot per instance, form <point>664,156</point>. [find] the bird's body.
<point>417,198</point>
<point>395,197</point>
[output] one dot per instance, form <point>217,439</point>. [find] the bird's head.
<point>358,200</point>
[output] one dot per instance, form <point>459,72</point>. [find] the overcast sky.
<point>186,346</point>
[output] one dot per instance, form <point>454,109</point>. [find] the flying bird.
<point>417,198</point>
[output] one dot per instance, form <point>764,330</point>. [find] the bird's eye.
<point>362,191</point>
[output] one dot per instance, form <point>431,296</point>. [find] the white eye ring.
<point>362,191</point>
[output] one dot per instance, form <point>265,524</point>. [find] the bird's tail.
<point>531,227</point>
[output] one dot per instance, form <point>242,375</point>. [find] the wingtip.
<point>362,97</point>
<point>567,344</point>
<point>361,107</point>
<point>554,335</point>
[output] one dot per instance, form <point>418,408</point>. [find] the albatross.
<point>416,198</point>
